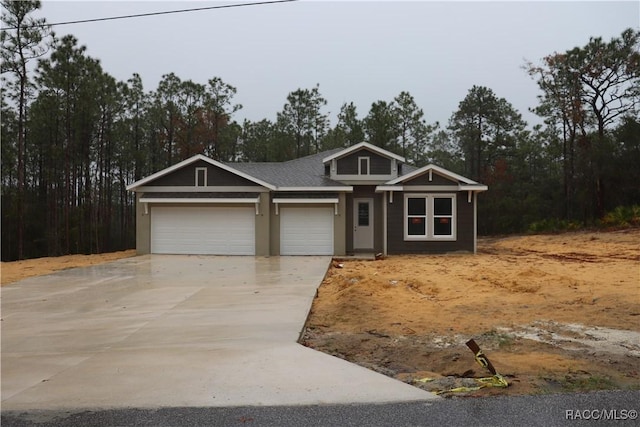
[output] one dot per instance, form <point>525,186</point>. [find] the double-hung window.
<point>430,216</point>
<point>416,223</point>
<point>442,216</point>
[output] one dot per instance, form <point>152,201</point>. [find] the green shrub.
<point>622,216</point>
<point>554,225</point>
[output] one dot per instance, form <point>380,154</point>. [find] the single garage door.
<point>306,231</point>
<point>203,230</point>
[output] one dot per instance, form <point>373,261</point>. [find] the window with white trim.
<point>429,216</point>
<point>363,165</point>
<point>201,177</point>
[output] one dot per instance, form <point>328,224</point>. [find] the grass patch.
<point>500,340</point>
<point>577,381</point>
<point>589,383</point>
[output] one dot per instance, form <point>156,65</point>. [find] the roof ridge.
<point>320,154</point>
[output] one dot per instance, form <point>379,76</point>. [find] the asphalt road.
<point>615,408</point>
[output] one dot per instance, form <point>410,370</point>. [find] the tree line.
<point>73,138</point>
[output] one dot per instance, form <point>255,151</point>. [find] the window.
<point>442,216</point>
<point>201,177</point>
<point>429,216</point>
<point>416,216</point>
<point>363,166</point>
<point>363,214</point>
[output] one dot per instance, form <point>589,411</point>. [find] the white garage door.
<point>203,230</point>
<point>306,231</point>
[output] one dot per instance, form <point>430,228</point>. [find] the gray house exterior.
<point>339,202</point>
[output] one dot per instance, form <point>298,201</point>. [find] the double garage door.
<point>206,230</point>
<point>203,230</point>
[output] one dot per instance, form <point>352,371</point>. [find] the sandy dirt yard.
<point>17,270</point>
<point>553,313</point>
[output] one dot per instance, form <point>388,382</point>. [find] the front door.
<point>362,223</point>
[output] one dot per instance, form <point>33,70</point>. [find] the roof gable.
<point>190,161</point>
<point>438,170</point>
<point>363,145</point>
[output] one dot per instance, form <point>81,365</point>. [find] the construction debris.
<point>497,380</point>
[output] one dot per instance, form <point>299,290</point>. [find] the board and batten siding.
<point>185,177</point>
<point>464,228</point>
<point>378,165</point>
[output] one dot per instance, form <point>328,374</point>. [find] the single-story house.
<point>338,202</point>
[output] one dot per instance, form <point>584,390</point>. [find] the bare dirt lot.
<point>553,313</point>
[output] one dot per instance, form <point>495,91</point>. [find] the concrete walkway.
<point>169,331</point>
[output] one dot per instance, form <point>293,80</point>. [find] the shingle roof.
<point>407,169</point>
<point>303,172</point>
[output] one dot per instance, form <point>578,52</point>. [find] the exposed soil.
<point>17,270</point>
<point>552,312</point>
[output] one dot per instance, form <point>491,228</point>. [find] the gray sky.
<point>360,51</point>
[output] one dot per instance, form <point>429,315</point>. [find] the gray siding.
<point>185,177</point>
<point>378,165</point>
<point>395,229</point>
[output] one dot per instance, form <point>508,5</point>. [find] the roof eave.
<point>461,187</point>
<point>345,188</point>
<point>381,188</point>
<point>477,188</point>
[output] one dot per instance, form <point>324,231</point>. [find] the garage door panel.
<point>306,231</point>
<point>203,230</point>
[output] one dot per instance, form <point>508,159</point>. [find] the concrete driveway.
<point>172,331</point>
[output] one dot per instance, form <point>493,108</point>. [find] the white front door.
<point>362,223</point>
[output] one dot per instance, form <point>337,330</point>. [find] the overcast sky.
<point>360,51</point>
